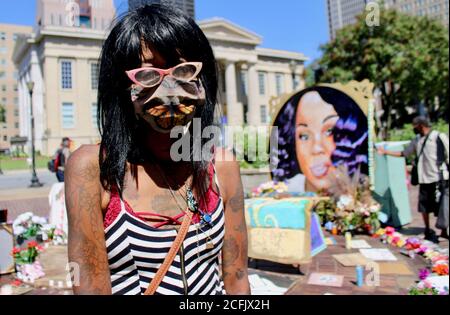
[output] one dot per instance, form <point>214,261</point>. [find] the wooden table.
<point>325,263</point>
<point>54,262</point>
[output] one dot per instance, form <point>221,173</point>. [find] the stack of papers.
<point>378,254</point>
<point>262,286</point>
<point>359,244</point>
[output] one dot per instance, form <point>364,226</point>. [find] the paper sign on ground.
<point>328,280</point>
<point>359,244</point>
<point>262,286</point>
<point>378,254</point>
<point>396,268</point>
<point>351,260</point>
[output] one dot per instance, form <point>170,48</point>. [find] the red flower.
<point>32,244</point>
<point>16,283</point>
<point>15,251</point>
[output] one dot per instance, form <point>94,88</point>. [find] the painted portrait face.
<point>314,143</point>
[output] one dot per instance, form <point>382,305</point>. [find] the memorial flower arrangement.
<point>351,207</point>
<point>269,188</point>
<point>28,268</point>
<point>29,227</point>
<point>436,258</point>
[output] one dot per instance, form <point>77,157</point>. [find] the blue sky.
<point>296,25</point>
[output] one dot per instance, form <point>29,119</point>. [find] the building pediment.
<point>223,30</point>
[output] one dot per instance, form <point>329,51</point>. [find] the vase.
<point>30,272</point>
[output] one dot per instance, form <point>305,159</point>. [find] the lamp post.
<point>293,66</point>
<point>34,179</point>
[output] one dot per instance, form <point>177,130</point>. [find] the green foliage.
<point>253,143</point>
<point>406,57</point>
<point>407,132</point>
<point>424,291</point>
<point>12,163</point>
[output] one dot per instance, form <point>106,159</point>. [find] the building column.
<point>254,118</point>
<point>234,112</point>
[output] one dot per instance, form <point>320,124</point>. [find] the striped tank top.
<point>136,250</point>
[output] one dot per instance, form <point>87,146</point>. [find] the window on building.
<point>2,36</point>
<point>2,74</point>
<point>262,83</point>
<point>16,113</point>
<point>15,88</point>
<point>3,62</point>
<point>3,88</point>
<point>66,74</point>
<point>94,75</point>
<point>16,101</point>
<point>68,115</point>
<point>279,83</point>
<point>263,112</point>
<point>4,100</point>
<point>94,114</point>
<point>5,138</point>
<point>16,75</point>
<point>16,125</point>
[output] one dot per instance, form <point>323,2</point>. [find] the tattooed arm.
<point>234,253</point>
<point>87,248</point>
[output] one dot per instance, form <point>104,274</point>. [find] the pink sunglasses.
<point>148,77</point>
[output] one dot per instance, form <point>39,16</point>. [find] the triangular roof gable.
<point>224,30</point>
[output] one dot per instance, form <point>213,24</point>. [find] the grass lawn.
<point>8,164</point>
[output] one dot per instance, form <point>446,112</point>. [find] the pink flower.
<point>423,274</point>
<point>390,230</point>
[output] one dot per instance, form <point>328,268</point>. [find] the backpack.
<point>54,163</point>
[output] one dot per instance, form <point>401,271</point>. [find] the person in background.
<point>63,154</point>
<point>433,171</point>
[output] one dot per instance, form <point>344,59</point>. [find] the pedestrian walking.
<point>431,173</point>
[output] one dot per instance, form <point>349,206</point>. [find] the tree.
<point>405,56</point>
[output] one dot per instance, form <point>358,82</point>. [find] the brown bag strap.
<point>160,274</point>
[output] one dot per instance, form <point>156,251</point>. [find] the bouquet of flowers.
<point>28,226</point>
<point>436,258</point>
<point>28,269</point>
<point>351,207</point>
<point>269,189</point>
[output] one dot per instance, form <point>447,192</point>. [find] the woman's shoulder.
<point>84,158</point>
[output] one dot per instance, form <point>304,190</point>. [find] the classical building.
<point>249,76</point>
<point>9,97</point>
<point>61,58</point>
<point>343,12</point>
<point>187,6</point>
<point>63,63</point>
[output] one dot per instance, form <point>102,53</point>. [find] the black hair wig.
<point>350,134</point>
<point>173,35</point>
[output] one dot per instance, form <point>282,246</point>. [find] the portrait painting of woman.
<point>319,129</point>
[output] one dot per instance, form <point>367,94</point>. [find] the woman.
<point>319,129</point>
<point>126,198</point>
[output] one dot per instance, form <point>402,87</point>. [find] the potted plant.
<point>28,268</point>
